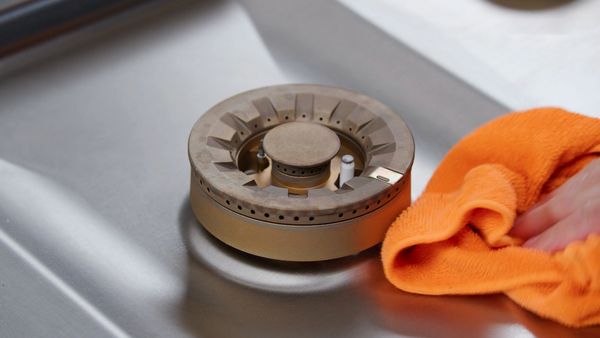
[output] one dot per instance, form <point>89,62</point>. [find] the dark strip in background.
<point>34,21</point>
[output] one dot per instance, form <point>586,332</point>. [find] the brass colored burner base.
<point>300,172</point>
<point>300,243</point>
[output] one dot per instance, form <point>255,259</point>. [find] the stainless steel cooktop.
<point>94,177</point>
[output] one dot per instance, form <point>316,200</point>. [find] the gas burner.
<point>300,172</point>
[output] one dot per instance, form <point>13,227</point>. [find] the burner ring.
<point>290,192</point>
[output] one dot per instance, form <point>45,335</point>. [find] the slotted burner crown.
<point>273,156</point>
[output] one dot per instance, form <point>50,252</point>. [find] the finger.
<point>587,177</point>
<point>590,173</point>
<point>559,204</point>
<point>577,226</point>
<point>541,217</point>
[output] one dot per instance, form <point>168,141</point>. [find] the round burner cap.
<point>301,144</point>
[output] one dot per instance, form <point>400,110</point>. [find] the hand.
<point>569,213</point>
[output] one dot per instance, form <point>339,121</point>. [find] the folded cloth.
<point>454,238</point>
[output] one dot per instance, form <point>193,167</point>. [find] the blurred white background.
<point>523,53</point>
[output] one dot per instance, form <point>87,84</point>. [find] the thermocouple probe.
<point>300,172</point>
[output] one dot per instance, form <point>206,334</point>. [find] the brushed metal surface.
<point>94,217</point>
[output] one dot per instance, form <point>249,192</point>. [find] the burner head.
<point>267,166</point>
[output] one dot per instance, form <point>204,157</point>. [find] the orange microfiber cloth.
<point>453,239</point>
